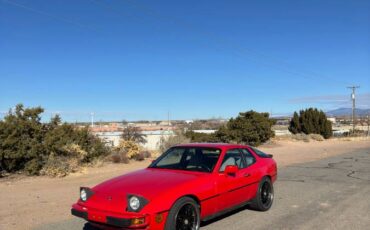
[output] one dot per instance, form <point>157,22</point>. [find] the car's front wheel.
<point>184,215</point>
<point>265,195</point>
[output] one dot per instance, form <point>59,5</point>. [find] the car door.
<point>231,187</point>
<point>250,174</point>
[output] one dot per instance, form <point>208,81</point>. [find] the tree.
<point>295,126</point>
<point>21,138</point>
<point>309,121</point>
<point>134,134</point>
<point>250,127</point>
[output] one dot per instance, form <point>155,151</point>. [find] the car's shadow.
<point>223,216</point>
<point>89,226</point>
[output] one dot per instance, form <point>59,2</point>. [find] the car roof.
<point>212,145</point>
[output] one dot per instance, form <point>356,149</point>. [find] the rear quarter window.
<point>261,154</point>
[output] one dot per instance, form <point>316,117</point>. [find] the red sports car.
<point>186,185</point>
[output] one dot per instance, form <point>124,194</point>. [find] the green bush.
<point>311,121</point>
<point>201,137</point>
<point>250,127</point>
<point>28,144</point>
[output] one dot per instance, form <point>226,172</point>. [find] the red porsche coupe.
<point>186,185</point>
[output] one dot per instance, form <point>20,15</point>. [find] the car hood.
<point>146,182</point>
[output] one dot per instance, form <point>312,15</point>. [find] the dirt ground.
<point>27,202</point>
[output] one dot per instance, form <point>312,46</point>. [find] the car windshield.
<point>199,159</point>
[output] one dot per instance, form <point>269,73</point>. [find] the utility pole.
<point>92,120</point>
<point>168,119</point>
<point>353,97</point>
<point>368,125</point>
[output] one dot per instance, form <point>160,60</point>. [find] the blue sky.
<point>139,59</point>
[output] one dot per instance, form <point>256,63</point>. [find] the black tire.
<point>184,215</point>
<point>264,197</point>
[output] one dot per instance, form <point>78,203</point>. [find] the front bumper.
<point>110,219</point>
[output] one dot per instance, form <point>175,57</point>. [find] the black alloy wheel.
<point>184,215</point>
<point>186,218</point>
<point>264,196</point>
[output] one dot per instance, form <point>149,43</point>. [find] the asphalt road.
<point>333,193</point>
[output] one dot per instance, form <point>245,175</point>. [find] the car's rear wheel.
<point>265,195</point>
<point>184,215</point>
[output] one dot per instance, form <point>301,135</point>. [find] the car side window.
<point>232,157</point>
<point>261,154</point>
<point>249,158</point>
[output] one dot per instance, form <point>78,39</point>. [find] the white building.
<point>111,139</point>
<point>206,131</point>
<point>153,138</point>
<point>332,119</point>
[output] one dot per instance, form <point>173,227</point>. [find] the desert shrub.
<point>316,137</point>
<point>75,151</point>
<point>311,121</point>
<point>62,165</point>
<point>59,166</point>
<point>301,137</point>
<point>130,147</point>
<point>119,156</point>
<point>167,142</point>
<point>146,154</point>
<point>201,137</point>
<point>139,157</point>
<point>28,145</point>
<point>115,157</point>
<point>32,167</point>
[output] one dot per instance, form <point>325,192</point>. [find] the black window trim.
<point>265,155</point>
<point>154,163</point>
<point>255,159</point>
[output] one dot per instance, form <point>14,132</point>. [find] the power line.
<point>274,62</point>
<point>92,119</point>
<point>269,60</point>
<point>66,20</point>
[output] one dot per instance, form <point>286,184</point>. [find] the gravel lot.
<point>331,192</point>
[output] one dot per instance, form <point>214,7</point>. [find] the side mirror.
<point>231,169</point>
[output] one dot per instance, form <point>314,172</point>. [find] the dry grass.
<point>300,137</point>
<point>316,137</point>
<point>62,165</point>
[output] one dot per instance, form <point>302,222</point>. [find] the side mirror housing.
<point>231,169</point>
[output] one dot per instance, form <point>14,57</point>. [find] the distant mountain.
<point>347,112</point>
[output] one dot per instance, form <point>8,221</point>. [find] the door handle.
<point>247,175</point>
